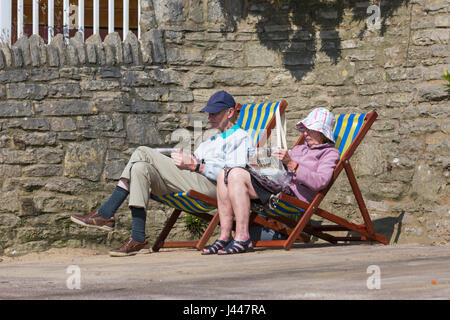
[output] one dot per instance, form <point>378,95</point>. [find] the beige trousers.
<point>149,171</point>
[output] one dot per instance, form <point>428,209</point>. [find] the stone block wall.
<point>72,113</point>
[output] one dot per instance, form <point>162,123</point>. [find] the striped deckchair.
<point>182,201</point>
<point>295,215</point>
<point>254,118</point>
<point>258,120</point>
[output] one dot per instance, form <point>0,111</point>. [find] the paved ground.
<point>304,272</point>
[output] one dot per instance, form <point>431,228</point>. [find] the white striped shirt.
<point>228,148</point>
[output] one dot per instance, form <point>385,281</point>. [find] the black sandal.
<point>216,246</point>
<point>237,247</point>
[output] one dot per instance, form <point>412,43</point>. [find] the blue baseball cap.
<point>219,101</point>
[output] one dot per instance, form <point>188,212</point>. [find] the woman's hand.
<point>184,161</point>
<point>283,156</point>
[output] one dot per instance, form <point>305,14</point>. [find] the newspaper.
<point>265,164</point>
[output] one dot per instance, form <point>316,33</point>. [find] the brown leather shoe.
<point>94,220</point>
<point>130,248</point>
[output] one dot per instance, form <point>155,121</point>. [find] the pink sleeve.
<point>319,179</point>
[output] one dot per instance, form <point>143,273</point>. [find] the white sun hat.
<point>320,119</point>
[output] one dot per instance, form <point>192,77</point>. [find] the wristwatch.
<point>197,167</point>
<point>295,169</point>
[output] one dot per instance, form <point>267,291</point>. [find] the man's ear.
<point>232,113</point>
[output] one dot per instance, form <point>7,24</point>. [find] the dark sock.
<point>138,226</point>
<point>109,208</point>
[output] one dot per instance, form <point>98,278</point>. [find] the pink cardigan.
<point>315,170</point>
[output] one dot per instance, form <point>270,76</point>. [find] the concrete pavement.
<point>304,272</point>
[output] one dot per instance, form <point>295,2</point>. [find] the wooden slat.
<point>208,232</point>
<point>202,197</point>
<point>179,244</point>
<point>201,215</point>
<point>329,228</point>
<point>320,235</point>
<point>359,199</point>
<point>351,226</point>
<point>165,232</point>
<point>303,221</point>
<point>355,238</point>
<point>269,243</point>
<point>271,223</point>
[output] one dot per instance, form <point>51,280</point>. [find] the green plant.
<point>195,225</point>
<point>446,76</point>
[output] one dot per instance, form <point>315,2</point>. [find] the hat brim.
<point>302,128</point>
<point>215,109</point>
<point>212,109</point>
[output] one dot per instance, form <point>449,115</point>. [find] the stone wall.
<point>71,114</point>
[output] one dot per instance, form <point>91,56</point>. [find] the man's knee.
<point>140,149</point>
<point>139,168</point>
<point>143,153</point>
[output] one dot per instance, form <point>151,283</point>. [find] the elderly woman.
<point>311,166</point>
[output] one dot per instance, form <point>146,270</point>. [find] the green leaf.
<point>446,76</point>
<point>195,225</point>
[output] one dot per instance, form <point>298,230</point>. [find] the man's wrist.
<point>193,165</point>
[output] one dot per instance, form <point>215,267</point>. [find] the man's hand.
<point>184,161</point>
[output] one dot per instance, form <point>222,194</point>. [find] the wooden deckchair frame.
<point>213,219</point>
<point>295,229</point>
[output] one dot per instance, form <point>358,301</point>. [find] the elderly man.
<point>149,171</point>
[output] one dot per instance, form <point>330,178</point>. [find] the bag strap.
<point>281,129</point>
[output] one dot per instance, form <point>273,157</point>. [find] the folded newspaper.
<point>265,164</point>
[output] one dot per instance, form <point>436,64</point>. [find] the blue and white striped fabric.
<point>254,118</point>
<point>184,202</point>
<point>283,209</point>
<point>346,128</point>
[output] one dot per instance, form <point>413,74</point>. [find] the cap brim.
<point>211,109</point>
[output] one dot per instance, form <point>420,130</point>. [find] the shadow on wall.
<point>298,29</point>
